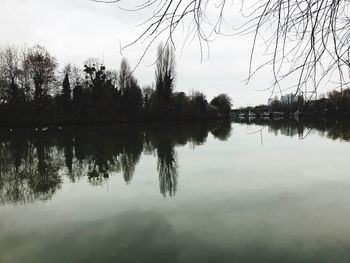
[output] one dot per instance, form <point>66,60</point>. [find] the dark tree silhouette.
<point>11,72</point>
<point>130,92</point>
<point>31,94</point>
<point>77,94</point>
<point>223,103</point>
<point>96,76</point>
<point>66,90</point>
<point>41,67</point>
<point>124,75</point>
<point>165,71</point>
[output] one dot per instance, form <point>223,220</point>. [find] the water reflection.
<point>335,129</point>
<point>33,162</point>
<point>236,201</point>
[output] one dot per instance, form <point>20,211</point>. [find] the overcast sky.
<point>74,30</point>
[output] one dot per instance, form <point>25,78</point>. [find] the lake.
<point>208,192</point>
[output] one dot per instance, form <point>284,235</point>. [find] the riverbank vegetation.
<point>33,91</point>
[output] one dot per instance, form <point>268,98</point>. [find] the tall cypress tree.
<point>66,91</point>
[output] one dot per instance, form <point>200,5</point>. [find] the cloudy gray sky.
<point>74,30</point>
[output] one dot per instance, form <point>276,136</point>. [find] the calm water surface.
<point>240,192</point>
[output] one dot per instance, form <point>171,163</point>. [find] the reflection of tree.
<point>331,128</point>
<point>28,171</point>
<point>110,149</point>
<point>33,161</point>
<point>68,153</point>
<point>45,179</point>
<point>167,168</point>
<point>128,163</point>
<point>222,131</point>
<point>339,130</point>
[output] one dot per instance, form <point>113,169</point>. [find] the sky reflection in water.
<point>176,193</point>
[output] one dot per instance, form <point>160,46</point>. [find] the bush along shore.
<point>34,92</point>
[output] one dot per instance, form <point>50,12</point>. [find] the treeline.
<point>335,103</point>
<point>34,162</point>
<point>33,92</point>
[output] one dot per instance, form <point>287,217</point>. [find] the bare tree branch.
<point>306,39</point>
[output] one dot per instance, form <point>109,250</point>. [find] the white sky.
<point>74,30</point>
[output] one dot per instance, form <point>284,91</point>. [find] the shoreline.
<point>109,123</point>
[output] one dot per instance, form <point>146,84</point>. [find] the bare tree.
<point>126,79</point>
<point>306,39</point>
<point>129,89</point>
<point>25,77</point>
<point>10,70</point>
<point>165,71</point>
<point>124,75</point>
<point>112,75</point>
<point>41,67</point>
<point>76,75</point>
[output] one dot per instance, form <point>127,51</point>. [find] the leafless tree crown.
<point>305,38</point>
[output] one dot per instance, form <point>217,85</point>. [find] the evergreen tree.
<point>66,91</point>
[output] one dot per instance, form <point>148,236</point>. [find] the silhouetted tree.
<point>165,71</point>
<point>101,93</point>
<point>200,105</point>
<point>78,104</point>
<point>223,103</point>
<point>10,72</point>
<point>124,75</point>
<point>29,84</point>
<point>75,74</point>
<point>130,91</point>
<point>340,101</point>
<point>3,90</point>
<point>41,67</point>
<point>77,94</point>
<point>112,76</point>
<point>66,91</point>
<point>96,78</point>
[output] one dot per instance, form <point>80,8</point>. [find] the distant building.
<point>289,98</point>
